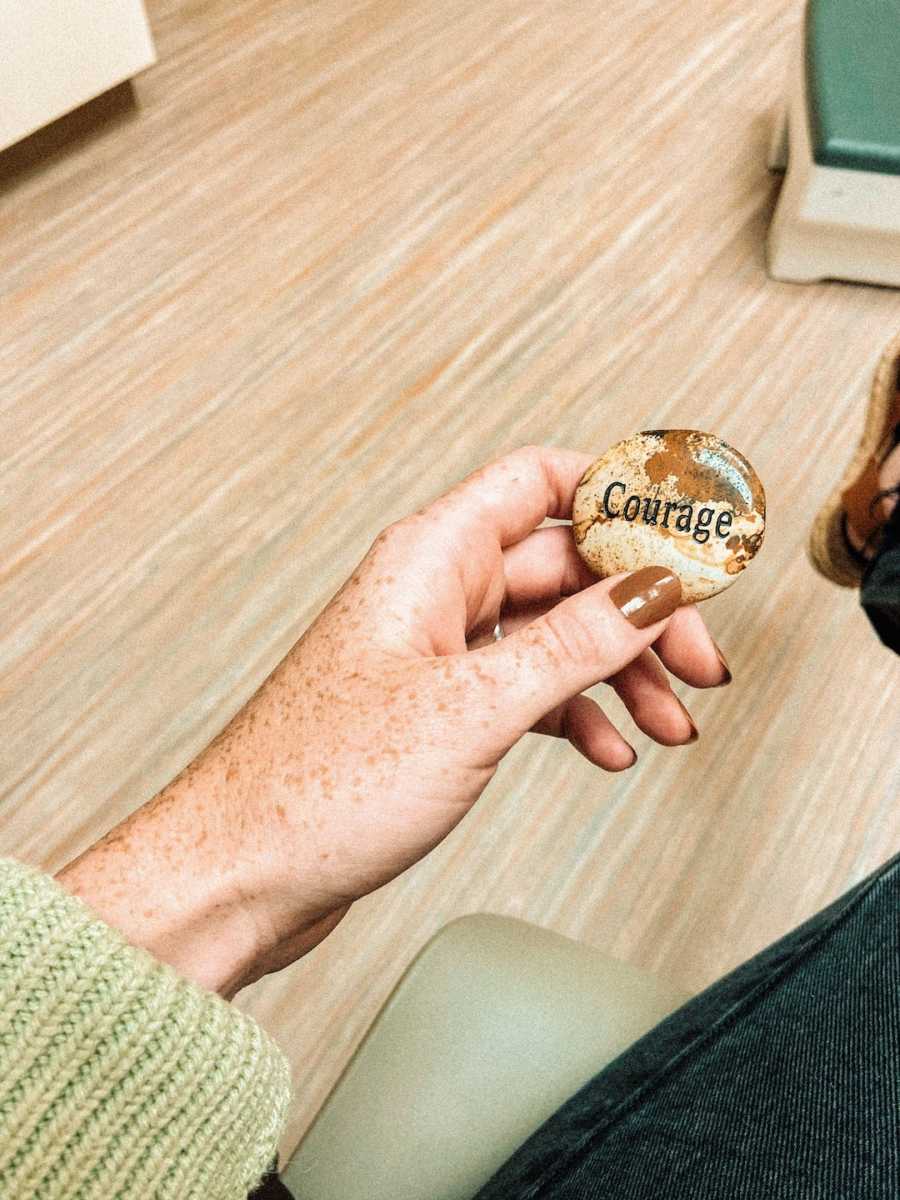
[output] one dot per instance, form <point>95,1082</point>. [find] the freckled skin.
<point>381,727</point>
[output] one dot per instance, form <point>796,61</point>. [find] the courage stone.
<point>677,498</point>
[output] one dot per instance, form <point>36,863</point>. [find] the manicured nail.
<point>723,664</point>
<point>648,595</point>
<point>695,732</point>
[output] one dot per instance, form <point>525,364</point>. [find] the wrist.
<point>190,918</point>
<point>173,881</point>
<point>199,876</point>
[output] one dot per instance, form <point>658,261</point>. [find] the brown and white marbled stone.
<point>707,525</point>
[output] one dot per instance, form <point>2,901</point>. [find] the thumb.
<point>584,639</point>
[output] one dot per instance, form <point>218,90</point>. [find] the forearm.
<point>193,876</point>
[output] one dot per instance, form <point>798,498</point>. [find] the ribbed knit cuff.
<point>118,1078</point>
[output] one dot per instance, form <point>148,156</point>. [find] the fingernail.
<point>723,664</point>
<point>695,732</point>
<point>648,595</point>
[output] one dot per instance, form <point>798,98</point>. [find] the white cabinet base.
<point>59,53</point>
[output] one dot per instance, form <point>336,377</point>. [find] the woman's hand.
<point>382,726</point>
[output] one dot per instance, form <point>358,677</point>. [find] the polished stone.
<point>678,498</point>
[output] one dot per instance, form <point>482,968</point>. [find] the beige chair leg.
<point>493,1026</point>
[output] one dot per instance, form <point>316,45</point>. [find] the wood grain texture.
<point>330,257</point>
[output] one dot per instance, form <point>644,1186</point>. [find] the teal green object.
<point>853,83</point>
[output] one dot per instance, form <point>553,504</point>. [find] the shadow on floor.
<point>68,133</point>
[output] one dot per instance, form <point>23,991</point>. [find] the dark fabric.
<point>271,1188</point>
<point>779,1082</point>
<point>879,591</point>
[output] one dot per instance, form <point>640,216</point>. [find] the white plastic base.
<point>57,54</point>
<point>830,223</point>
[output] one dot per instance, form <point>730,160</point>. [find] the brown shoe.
<point>855,499</point>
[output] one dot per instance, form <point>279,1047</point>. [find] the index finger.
<point>511,495</point>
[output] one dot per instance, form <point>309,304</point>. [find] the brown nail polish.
<point>723,664</point>
<point>648,595</point>
<point>695,732</point>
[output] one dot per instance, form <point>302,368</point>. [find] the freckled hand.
<point>380,729</point>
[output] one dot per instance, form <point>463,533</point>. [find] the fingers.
<point>584,639</point>
<point>511,496</point>
<point>643,688</point>
<point>591,732</point>
<point>539,568</point>
<point>689,652</point>
<point>544,567</point>
<point>441,569</point>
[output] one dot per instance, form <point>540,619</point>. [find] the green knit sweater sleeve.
<point>119,1078</point>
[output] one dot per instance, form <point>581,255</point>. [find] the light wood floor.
<point>326,259</point>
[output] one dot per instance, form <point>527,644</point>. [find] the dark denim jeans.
<point>271,1188</point>
<point>779,1082</point>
